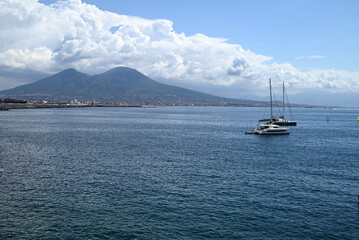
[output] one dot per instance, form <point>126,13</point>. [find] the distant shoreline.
<point>9,106</point>
<point>5,107</point>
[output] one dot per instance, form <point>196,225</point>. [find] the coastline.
<point>6,107</point>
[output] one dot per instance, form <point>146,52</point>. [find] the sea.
<point>177,173</point>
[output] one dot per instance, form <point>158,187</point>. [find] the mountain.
<point>120,84</point>
<point>67,82</point>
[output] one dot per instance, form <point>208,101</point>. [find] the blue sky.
<point>289,31</point>
<point>227,48</point>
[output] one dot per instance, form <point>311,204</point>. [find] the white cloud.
<point>310,57</point>
<point>72,34</point>
<point>316,57</point>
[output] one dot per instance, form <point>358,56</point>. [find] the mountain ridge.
<point>120,84</point>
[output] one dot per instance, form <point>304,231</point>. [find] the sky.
<point>228,48</point>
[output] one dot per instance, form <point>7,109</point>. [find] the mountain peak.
<point>125,73</point>
<point>121,70</point>
<point>69,70</point>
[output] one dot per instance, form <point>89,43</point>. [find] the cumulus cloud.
<point>72,34</point>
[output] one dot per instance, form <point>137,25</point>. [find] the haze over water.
<point>177,173</point>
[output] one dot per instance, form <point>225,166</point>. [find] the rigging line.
<point>266,106</point>
<point>276,102</point>
<point>289,107</point>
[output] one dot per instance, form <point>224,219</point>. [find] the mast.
<point>270,94</point>
<point>283,102</point>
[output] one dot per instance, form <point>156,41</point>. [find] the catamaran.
<point>270,127</point>
<point>281,121</point>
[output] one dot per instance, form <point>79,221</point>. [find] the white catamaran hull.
<point>271,129</point>
<point>261,132</point>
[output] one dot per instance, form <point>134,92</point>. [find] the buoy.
<point>327,118</point>
<point>358,118</point>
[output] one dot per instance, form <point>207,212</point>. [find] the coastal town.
<point>8,103</point>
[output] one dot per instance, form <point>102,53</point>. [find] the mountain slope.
<point>118,84</point>
<point>65,82</point>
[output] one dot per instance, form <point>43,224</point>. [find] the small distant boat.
<point>270,129</point>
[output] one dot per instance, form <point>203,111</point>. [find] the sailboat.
<point>280,121</point>
<point>270,127</point>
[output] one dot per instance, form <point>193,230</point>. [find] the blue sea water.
<point>177,173</point>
